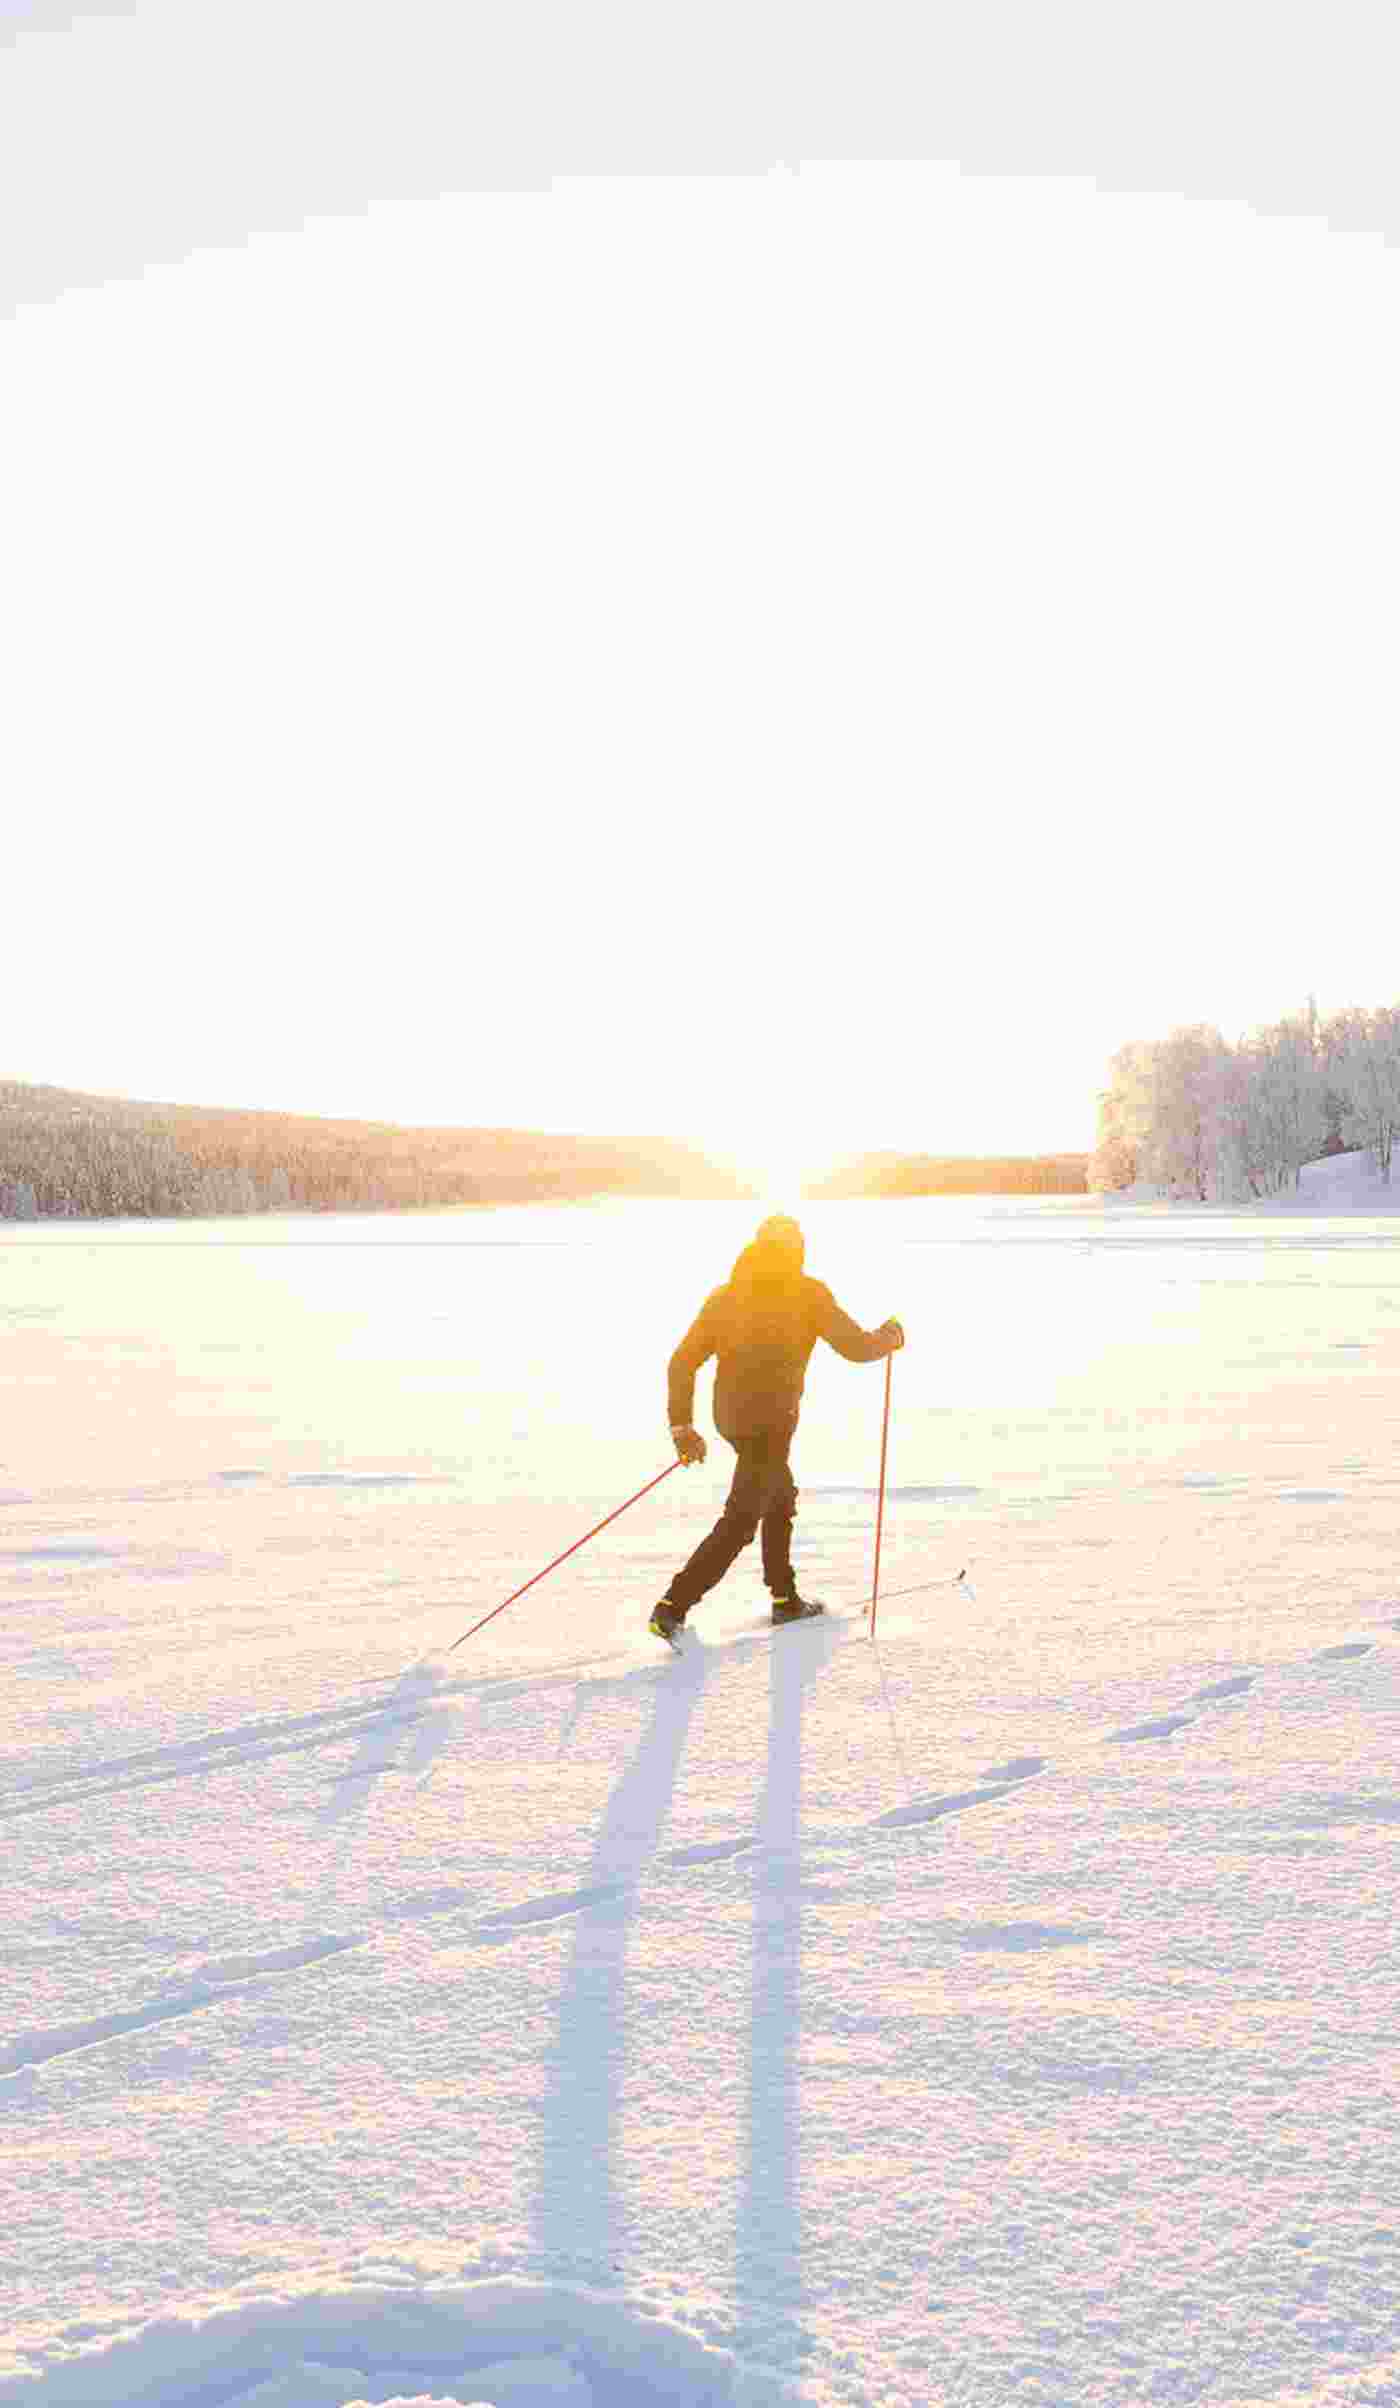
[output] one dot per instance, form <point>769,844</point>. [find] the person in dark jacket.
<point>761,1326</point>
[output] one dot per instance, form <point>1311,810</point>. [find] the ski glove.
<point>690,1446</point>
<point>894,1331</point>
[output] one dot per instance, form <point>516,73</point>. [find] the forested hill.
<point>88,1156</point>
<point>958,1175</point>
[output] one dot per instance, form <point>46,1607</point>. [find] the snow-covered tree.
<point>1362,1056</point>
<point>1291,1071</point>
<point>1125,1118</point>
<point>1275,1104</point>
<point>1215,1122</point>
<point>1181,1152</point>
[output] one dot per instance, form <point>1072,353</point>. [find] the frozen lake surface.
<point>1005,2013</point>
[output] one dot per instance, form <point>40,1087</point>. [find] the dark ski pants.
<point>763,1496</point>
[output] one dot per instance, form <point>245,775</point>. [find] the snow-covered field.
<point>1009,2012</point>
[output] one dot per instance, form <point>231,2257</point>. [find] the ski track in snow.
<point>418,1698</point>
<point>222,1979</point>
<point>218,1752</point>
<point>214,1983</point>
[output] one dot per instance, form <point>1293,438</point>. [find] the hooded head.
<point>782,1236</point>
<point>774,1256</point>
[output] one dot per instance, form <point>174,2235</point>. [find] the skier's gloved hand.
<point>894,1331</point>
<point>690,1446</point>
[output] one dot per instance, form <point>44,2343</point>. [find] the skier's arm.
<point>696,1347</point>
<point>849,1339</point>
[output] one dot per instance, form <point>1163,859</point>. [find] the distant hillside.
<point>958,1175</point>
<point>89,1157</point>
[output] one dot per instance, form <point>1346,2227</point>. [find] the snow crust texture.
<point>1004,2012</point>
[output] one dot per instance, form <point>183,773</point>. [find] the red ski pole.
<point>559,1559</point>
<point>880,1508</point>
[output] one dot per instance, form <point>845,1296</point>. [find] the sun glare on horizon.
<point>778,1168</point>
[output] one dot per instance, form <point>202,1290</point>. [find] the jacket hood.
<point>774,1256</point>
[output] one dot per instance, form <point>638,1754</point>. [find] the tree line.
<point>958,1175</point>
<point>1222,1123</point>
<point>69,1155</point>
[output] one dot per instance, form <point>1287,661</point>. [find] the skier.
<point>762,1325</point>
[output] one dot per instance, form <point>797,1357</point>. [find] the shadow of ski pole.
<point>768,2239</point>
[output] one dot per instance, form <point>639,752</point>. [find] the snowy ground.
<point>1007,2013</point>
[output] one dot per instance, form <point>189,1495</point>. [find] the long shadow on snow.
<point>768,2241</point>
<point>576,2217</point>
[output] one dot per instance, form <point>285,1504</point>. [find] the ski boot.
<point>666,1623</point>
<point>793,1608</point>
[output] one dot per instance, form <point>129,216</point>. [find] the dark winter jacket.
<point>763,1336</point>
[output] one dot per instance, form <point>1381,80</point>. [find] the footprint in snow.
<point>549,1909</point>
<point>1020,1938</point>
<point>931,1810</point>
<point>1155,1730</point>
<point>61,1554</point>
<point>355,1480</point>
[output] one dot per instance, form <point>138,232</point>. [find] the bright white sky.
<point>800,664</point>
